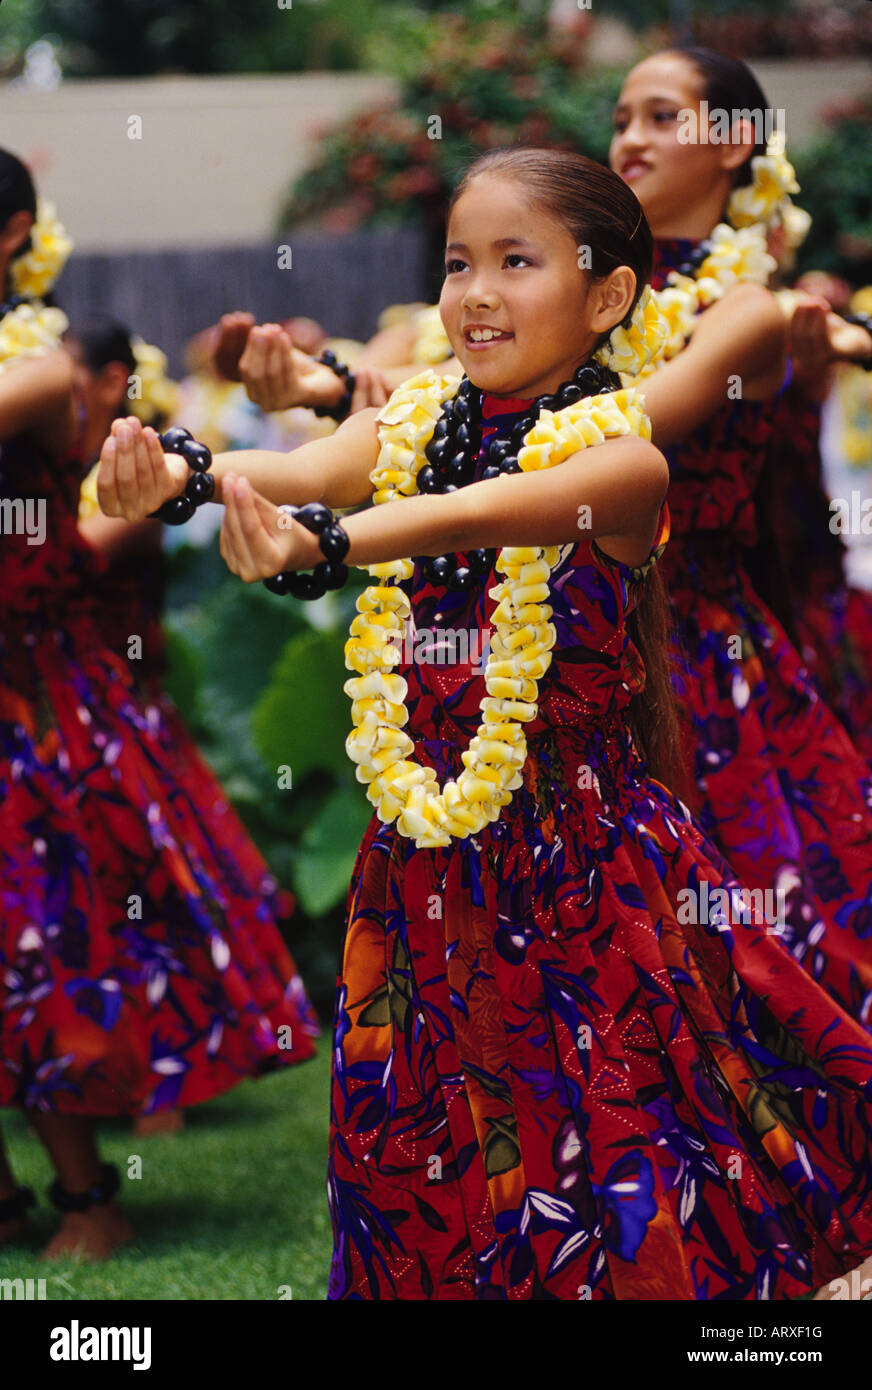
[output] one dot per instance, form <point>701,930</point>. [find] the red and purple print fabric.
<point>141,967</point>
<point>780,787</point>
<point>546,1084</point>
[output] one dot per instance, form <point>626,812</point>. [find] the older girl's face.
<point>515,303</point>
<point>683,187</point>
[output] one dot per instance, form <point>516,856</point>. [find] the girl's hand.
<point>231,336</point>
<point>370,388</point>
<point>278,376</point>
<point>818,338</point>
<point>258,539</point>
<point>136,476</point>
<point>269,369</point>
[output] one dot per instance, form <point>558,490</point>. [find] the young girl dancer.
<point>780,787</point>
<point>132,570</point>
<point>545,1085</point>
<point>128,590</point>
<point>139,966</point>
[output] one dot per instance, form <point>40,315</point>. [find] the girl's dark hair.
<point>103,340</point>
<point>596,207</point>
<point>602,213</point>
<point>729,85</point>
<point>17,194</point>
<point>653,714</point>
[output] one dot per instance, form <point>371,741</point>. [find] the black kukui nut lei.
<point>452,455</point>
<point>334,542</point>
<point>861,321</point>
<point>339,411</point>
<point>199,488</point>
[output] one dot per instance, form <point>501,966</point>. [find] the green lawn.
<point>234,1207</point>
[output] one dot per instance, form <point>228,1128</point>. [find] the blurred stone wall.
<point>167,296</point>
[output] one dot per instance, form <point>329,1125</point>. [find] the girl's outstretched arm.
<point>278,376</point>
<point>737,350</point>
<point>136,476</point>
<point>611,492</point>
<point>36,398</point>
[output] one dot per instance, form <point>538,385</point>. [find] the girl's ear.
<point>612,298</point>
<point>740,146</point>
<point>111,385</point>
<point>16,232</point>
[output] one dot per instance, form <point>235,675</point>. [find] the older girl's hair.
<point>730,85</point>
<point>17,194</point>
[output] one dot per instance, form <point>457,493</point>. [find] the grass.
<point>233,1207</point>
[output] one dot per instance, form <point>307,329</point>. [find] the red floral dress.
<point>545,1084</point>
<point>140,962</point>
<point>781,789</point>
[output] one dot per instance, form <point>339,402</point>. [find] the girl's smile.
<point>482,336</point>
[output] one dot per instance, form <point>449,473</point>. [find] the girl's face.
<point>682,187</point>
<point>103,393</point>
<point>515,305</point>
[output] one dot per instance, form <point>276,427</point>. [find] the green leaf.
<point>303,717</point>
<point>328,849</point>
<point>183,675</point>
<point>249,628</point>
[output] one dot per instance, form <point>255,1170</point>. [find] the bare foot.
<point>859,1282</point>
<point>17,1232</point>
<point>93,1235</point>
<point>164,1122</point>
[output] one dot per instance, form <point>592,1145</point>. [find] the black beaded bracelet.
<point>862,321</point>
<point>339,411</point>
<point>334,543</point>
<point>199,488</point>
<point>99,1195</point>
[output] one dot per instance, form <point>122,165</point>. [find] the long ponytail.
<point>653,714</point>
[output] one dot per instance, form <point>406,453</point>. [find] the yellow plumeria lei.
<point>737,255</point>
<point>35,272</point>
<point>636,350</point>
<point>158,394</point>
<point>854,398</point>
<point>30,330</point>
<point>520,653</point>
<point>431,341</point>
<point>738,251</point>
<point>766,199</point>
